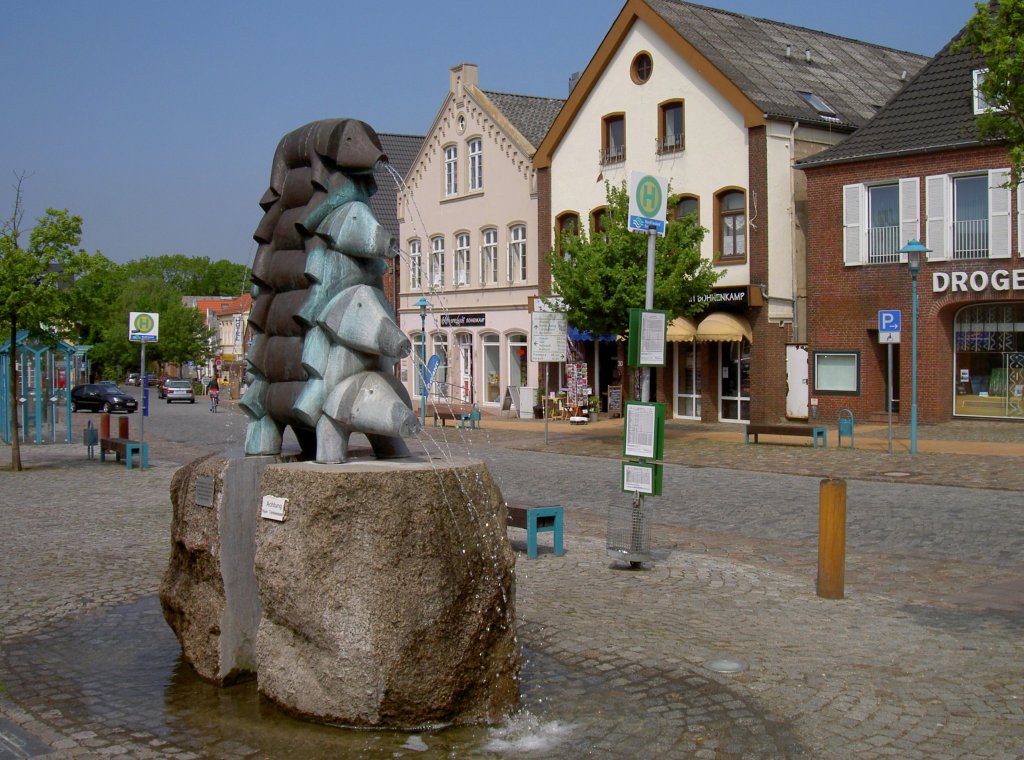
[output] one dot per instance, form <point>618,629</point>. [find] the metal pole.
<point>645,372</point>
<point>888,402</point>
<point>544,404</point>
<point>913,364</point>
<point>145,405</point>
<point>423,367</point>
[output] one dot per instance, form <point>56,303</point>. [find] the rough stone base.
<point>387,594</point>
<point>208,592</point>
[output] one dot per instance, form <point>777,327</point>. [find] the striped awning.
<point>725,327</point>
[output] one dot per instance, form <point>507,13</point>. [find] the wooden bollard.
<point>831,538</point>
<point>122,427</point>
<point>104,425</point>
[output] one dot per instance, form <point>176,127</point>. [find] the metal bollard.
<point>831,538</point>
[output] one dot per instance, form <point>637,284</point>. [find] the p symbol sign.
<point>889,320</point>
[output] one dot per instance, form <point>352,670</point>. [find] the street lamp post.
<point>914,249</point>
<point>424,304</point>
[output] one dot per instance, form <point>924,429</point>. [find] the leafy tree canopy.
<point>601,276</point>
<point>996,32</point>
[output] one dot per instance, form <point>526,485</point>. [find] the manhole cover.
<point>897,474</point>
<point>725,665</point>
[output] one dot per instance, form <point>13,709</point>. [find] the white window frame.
<point>517,253</point>
<point>856,229</point>
<point>837,372</point>
<point>462,259</point>
<point>476,164</point>
<point>977,99</point>
<point>489,257</point>
<point>437,262</point>
<point>415,264</point>
<point>939,211</point>
<point>451,170</point>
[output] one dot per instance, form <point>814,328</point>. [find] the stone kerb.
<point>387,594</point>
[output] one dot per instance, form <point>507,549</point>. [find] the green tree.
<point>601,276</point>
<point>38,291</point>
<point>192,276</point>
<point>996,34</point>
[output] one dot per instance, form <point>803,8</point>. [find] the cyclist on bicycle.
<point>214,391</point>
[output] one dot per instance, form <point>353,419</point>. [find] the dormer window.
<point>819,104</point>
<point>977,98</point>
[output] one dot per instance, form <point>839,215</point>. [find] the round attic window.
<point>461,124</point>
<point>642,67</point>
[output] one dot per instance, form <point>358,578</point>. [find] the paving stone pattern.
<point>924,658</point>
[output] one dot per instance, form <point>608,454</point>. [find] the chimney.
<point>573,79</point>
<point>807,55</point>
<point>789,51</point>
<point>463,75</point>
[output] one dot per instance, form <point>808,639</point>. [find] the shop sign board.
<point>463,320</point>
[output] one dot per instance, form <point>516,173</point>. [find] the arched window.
<point>731,223</point>
<point>415,264</point>
<point>688,204</point>
<point>476,164</point>
<point>451,170</point>
<point>566,224</point>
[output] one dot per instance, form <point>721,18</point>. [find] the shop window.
<point>731,221</point>
<point>988,367</point>
<point>517,363</point>
<point>613,139</point>
<point>489,257</point>
<point>440,386</point>
<point>837,372</point>
<point>492,367</point>
<point>670,127</point>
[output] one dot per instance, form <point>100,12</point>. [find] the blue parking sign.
<point>889,320</point>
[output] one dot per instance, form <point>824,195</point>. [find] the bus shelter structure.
<point>47,370</point>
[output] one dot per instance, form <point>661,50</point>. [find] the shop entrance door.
<point>466,368</point>
<point>734,381</point>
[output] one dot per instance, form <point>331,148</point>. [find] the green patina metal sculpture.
<point>326,341</point>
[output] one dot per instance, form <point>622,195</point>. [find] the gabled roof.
<point>531,115</point>
<point>401,151</point>
<point>760,66</point>
<point>935,111</point>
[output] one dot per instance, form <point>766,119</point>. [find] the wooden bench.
<point>537,519</point>
<point>126,448</point>
<point>815,432</point>
<point>462,415</point>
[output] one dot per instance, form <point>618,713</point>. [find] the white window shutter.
<point>508,252</point>
<point>910,210</point>
<point>936,190</point>
<point>998,214</point>
<point>853,227</point>
<point>1020,219</point>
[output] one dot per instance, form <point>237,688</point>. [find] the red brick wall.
<point>843,302</point>
<point>544,230</point>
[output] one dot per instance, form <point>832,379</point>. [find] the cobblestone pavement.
<point>924,658</point>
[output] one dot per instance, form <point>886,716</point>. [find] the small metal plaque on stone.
<point>274,508</point>
<point>204,490</point>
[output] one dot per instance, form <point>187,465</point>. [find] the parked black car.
<point>101,398</point>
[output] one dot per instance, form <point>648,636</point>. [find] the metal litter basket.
<point>629,531</point>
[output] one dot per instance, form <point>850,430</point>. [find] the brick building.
<point>917,171</point>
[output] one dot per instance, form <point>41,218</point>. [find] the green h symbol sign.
<point>648,196</point>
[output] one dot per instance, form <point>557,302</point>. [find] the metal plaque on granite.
<point>204,490</point>
<point>274,508</point>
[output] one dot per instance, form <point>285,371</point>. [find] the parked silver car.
<point>179,390</point>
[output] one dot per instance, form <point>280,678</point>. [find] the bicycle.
<point>214,400</point>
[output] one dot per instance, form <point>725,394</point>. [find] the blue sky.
<point>157,121</point>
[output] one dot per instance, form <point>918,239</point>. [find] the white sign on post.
<point>143,327</point>
<point>648,200</point>
<point>548,330</point>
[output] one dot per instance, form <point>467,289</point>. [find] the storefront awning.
<point>681,330</point>
<point>725,327</point>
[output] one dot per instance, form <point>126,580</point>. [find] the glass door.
<point>687,381</point>
<point>734,381</point>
